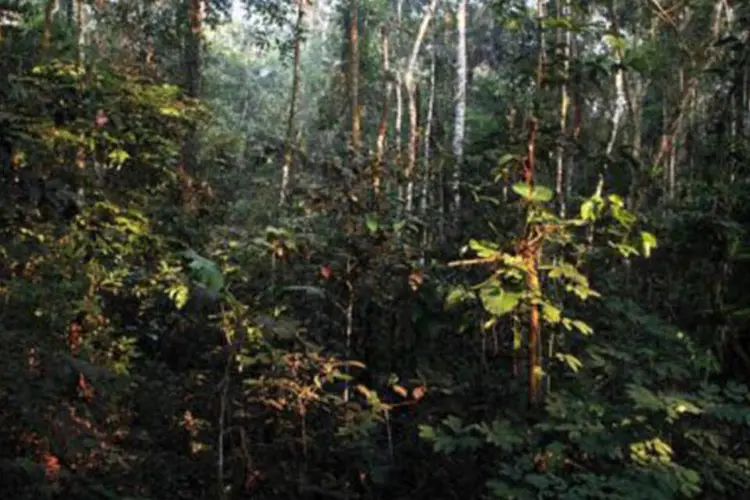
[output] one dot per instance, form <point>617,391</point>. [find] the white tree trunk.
<point>398,129</point>
<point>427,173</point>
<point>619,109</point>
<point>564,104</point>
<point>459,123</point>
<point>411,90</point>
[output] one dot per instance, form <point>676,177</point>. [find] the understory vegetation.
<point>374,249</point>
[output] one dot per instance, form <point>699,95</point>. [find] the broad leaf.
<point>458,296</point>
<point>649,242</point>
<point>537,194</point>
<point>498,301</point>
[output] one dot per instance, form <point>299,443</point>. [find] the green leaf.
<point>456,296</point>
<point>204,271</point>
<point>501,434</point>
<point>623,216</point>
<point>427,432</point>
<point>644,398</point>
<point>624,250</point>
<point>484,249</point>
<point>649,242</point>
<point>537,194</point>
<point>505,159</point>
<point>614,42</point>
<point>582,327</point>
<point>616,200</point>
<point>372,223</point>
<point>571,361</point>
<point>119,157</point>
<point>497,301</point>
<point>587,210</point>
<point>551,313</point>
<point>179,294</point>
<point>172,112</point>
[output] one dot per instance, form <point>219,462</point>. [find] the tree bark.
<point>379,165</point>
<point>411,91</point>
<point>291,121</point>
<point>353,78</point>
<point>459,124</point>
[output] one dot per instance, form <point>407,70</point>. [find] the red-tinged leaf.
<point>51,466</point>
<point>418,392</point>
<point>326,272</point>
<point>416,278</point>
<point>101,119</point>
<point>400,391</point>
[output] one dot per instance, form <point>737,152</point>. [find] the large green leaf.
<point>204,271</point>
<point>498,301</point>
<point>457,296</point>
<point>484,249</point>
<point>537,194</point>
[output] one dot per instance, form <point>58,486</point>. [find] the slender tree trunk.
<point>411,90</point>
<point>193,45</point>
<point>196,12</point>
<point>530,249</point>
<point>353,77</point>
<point>294,97</point>
<point>378,167</point>
<point>577,118</point>
<point>459,123</point>
<point>398,126</point>
<point>79,32</point>
<point>49,11</point>
<point>563,43</point>
<point>427,172</point>
<point>620,104</point>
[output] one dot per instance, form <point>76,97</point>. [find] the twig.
<point>474,262</point>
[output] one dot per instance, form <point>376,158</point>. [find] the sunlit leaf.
<point>551,313</point>
<point>484,249</point>
<point>498,301</point>
<point>537,194</point>
<point>179,294</point>
<point>400,390</point>
<point>570,361</point>
<point>648,241</point>
<point>587,210</point>
<point>458,295</point>
<point>372,223</point>
<point>173,112</point>
<point>119,157</point>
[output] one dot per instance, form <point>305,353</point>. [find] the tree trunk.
<point>427,172</point>
<point>378,167</point>
<point>79,32</point>
<point>563,11</point>
<point>196,12</point>
<point>49,11</point>
<point>353,78</point>
<point>291,122</point>
<point>459,124</point>
<point>411,92</point>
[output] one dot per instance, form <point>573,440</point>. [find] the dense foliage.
<point>376,250</point>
